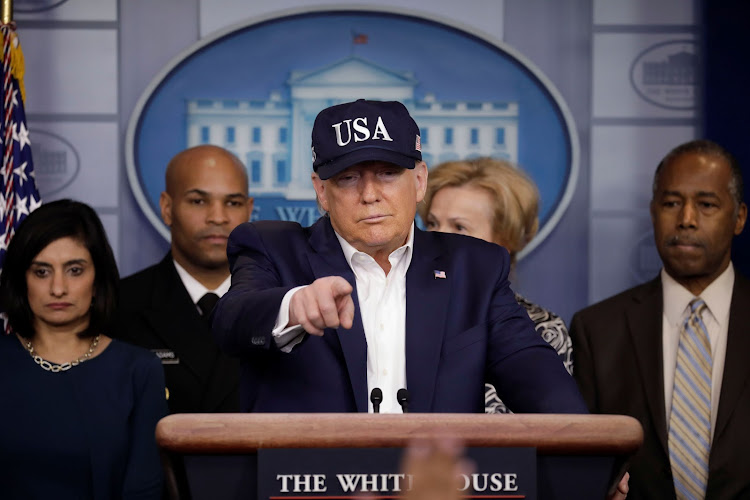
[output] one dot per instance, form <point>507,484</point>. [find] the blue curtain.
<point>726,98</point>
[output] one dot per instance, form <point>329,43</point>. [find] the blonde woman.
<point>493,200</point>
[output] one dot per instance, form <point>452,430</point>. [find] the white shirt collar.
<point>195,289</point>
<point>406,249</point>
<point>717,296</point>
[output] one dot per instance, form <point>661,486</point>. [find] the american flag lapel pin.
<point>440,274</point>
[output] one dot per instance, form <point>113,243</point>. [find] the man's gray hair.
<point>710,148</point>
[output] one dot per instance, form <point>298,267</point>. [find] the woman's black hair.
<point>48,223</point>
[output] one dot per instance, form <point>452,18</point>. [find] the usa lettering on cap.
<point>359,131</point>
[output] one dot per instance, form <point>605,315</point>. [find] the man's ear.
<point>165,204</point>
<point>320,191</point>
<point>420,173</point>
<point>741,218</point>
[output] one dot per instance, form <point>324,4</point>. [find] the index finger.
<point>340,286</point>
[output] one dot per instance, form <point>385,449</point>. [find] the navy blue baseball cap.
<point>353,132</point>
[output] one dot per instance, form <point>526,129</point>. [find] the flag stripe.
<point>19,193</point>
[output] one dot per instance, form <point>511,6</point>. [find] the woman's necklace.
<point>55,367</point>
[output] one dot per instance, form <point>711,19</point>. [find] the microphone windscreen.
<point>402,396</point>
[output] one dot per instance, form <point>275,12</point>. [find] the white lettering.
<point>479,482</point>
<point>397,481</point>
<point>466,484</point>
<point>365,134</point>
<point>384,482</point>
<point>304,215</point>
<point>380,129</point>
<point>510,482</point>
<point>337,127</point>
<point>372,482</point>
<point>496,481</point>
<point>320,483</point>
<point>348,482</point>
<point>290,213</point>
<point>301,483</point>
<point>369,482</point>
<point>284,478</point>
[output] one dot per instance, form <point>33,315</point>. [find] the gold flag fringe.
<point>17,66</point>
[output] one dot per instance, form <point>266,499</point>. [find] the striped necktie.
<point>690,420</point>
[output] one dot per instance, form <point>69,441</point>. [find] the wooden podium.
<point>564,443</point>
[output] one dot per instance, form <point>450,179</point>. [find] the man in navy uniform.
<point>166,306</point>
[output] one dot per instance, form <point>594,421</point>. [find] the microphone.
<point>376,397</point>
<point>402,396</point>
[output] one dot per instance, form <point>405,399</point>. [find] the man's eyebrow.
<point>710,194</point>
<point>201,192</point>
<point>703,194</point>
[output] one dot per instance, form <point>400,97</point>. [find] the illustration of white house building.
<point>272,136</point>
<point>678,69</point>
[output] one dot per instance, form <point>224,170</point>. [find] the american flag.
<point>19,195</point>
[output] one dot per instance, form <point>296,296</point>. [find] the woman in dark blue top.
<point>79,409</point>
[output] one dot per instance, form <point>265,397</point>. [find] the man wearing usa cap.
<point>364,300</point>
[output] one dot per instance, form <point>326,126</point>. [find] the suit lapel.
<point>176,321</point>
<point>645,326</point>
<point>329,260</point>
<point>736,365</point>
<point>426,308</point>
<point>222,383</point>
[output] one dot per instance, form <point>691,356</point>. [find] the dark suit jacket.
<point>617,347</point>
<point>460,331</point>
<point>157,312</point>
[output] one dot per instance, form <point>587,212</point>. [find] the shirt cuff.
<point>285,336</point>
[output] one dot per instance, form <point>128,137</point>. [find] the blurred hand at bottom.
<point>435,466</point>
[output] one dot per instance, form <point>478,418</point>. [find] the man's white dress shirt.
<point>195,288</point>
<point>382,305</point>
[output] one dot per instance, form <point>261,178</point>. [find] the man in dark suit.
<point>630,350</point>
<point>165,307</point>
<point>363,300</point>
